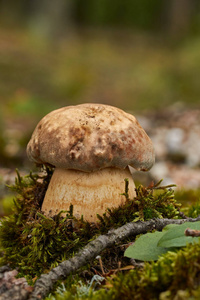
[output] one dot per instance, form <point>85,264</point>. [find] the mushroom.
<point>90,146</point>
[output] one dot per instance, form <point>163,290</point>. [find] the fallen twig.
<point>192,232</point>
<point>45,283</point>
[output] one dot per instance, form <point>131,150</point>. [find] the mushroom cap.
<point>90,137</point>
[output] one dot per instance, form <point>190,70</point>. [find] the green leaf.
<point>150,246</point>
<point>174,235</point>
<point>145,247</point>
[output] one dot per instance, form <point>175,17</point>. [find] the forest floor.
<point>156,82</point>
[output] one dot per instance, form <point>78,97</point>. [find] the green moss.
<point>173,272</point>
<point>190,200</point>
<point>28,238</point>
<point>194,210</point>
<point>34,243</point>
<point>187,196</point>
<point>175,275</point>
<point>150,202</point>
<point>7,204</point>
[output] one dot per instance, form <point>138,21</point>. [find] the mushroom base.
<point>89,193</point>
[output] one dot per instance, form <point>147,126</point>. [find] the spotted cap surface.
<point>89,137</point>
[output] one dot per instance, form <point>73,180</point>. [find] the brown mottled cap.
<point>90,137</point>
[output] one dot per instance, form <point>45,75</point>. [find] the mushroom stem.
<point>89,193</point>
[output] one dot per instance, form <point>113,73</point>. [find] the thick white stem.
<point>89,193</point>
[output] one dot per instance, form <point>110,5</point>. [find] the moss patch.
<point>172,273</point>
<point>34,243</point>
<point>176,275</point>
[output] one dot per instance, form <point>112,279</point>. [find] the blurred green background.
<point>139,55</point>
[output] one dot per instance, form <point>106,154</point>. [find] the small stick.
<point>192,232</point>
<point>101,264</point>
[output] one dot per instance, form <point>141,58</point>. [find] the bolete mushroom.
<point>91,147</point>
